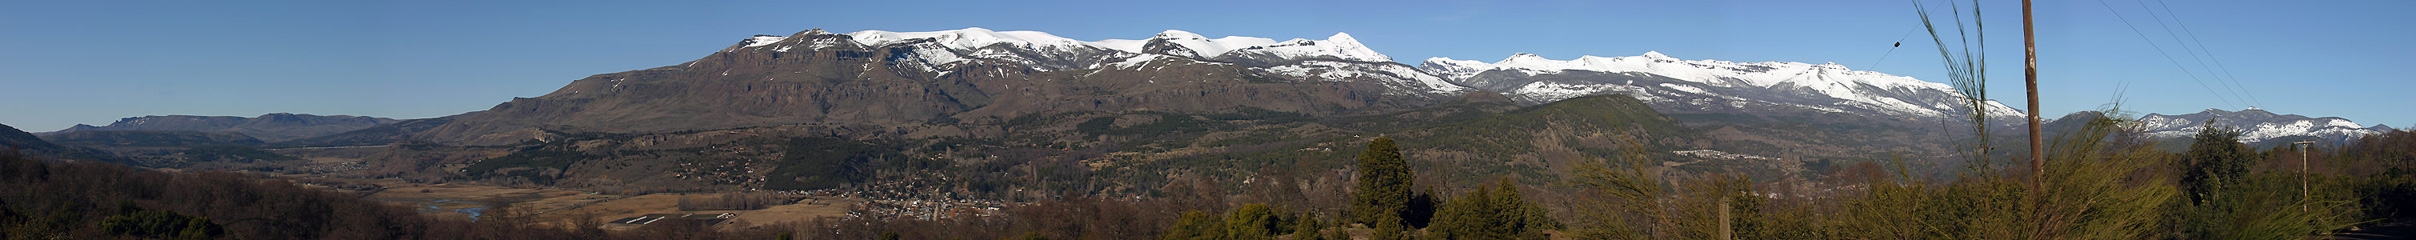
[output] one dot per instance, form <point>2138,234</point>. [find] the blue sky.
<point>92,62</point>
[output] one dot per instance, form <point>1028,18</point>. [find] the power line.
<point>2194,54</point>
<point>1908,33</point>
<point>2210,54</point>
<point>2185,48</point>
<point>2167,55</point>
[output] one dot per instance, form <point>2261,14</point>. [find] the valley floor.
<point>557,206</point>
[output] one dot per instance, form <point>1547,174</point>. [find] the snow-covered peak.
<point>1530,61</point>
<point>1340,46</point>
<point>968,38</point>
<point>1210,48</point>
<point>1179,34</point>
<point>1656,55</point>
<point>1454,69</point>
<point>761,40</point>
<point>1456,63</point>
<point>1343,37</point>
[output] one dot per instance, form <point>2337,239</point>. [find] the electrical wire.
<point>1908,33</point>
<point>2167,55</point>
<point>2185,48</point>
<point>2210,54</point>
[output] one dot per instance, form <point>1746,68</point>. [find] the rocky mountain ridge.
<point>266,127</point>
<point>958,72</point>
<point>1037,89</point>
<point>959,76</point>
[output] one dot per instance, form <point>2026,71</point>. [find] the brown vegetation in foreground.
<point>42,199</point>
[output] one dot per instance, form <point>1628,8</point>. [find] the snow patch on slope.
<point>1549,91</point>
<point>1455,69</point>
<point>1335,71</point>
<point>1135,61</point>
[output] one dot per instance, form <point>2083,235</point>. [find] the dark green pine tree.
<point>1383,192</point>
<point>1491,212</point>
<point>2216,160</point>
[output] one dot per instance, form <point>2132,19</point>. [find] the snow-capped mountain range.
<point>1667,83</point>
<point>2258,125</point>
<point>1711,85</point>
<point>1337,58</point>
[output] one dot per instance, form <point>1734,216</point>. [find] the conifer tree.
<point>1383,191</point>
<point>1491,212</point>
<point>2216,160</point>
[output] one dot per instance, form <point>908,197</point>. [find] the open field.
<point>557,206</point>
<point>464,200</point>
<point>664,203</point>
<point>617,208</point>
<point>801,211</point>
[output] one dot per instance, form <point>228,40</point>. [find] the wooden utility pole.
<point>2304,194</point>
<point>2038,157</point>
<point>2038,154</point>
<point>1725,232</point>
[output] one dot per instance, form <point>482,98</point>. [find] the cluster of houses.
<point>925,210</point>
<point>906,202</point>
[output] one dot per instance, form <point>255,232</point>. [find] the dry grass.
<point>800,212</point>
<point>620,208</point>
<point>553,206</point>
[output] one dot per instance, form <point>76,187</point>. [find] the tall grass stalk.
<point>1966,61</point>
